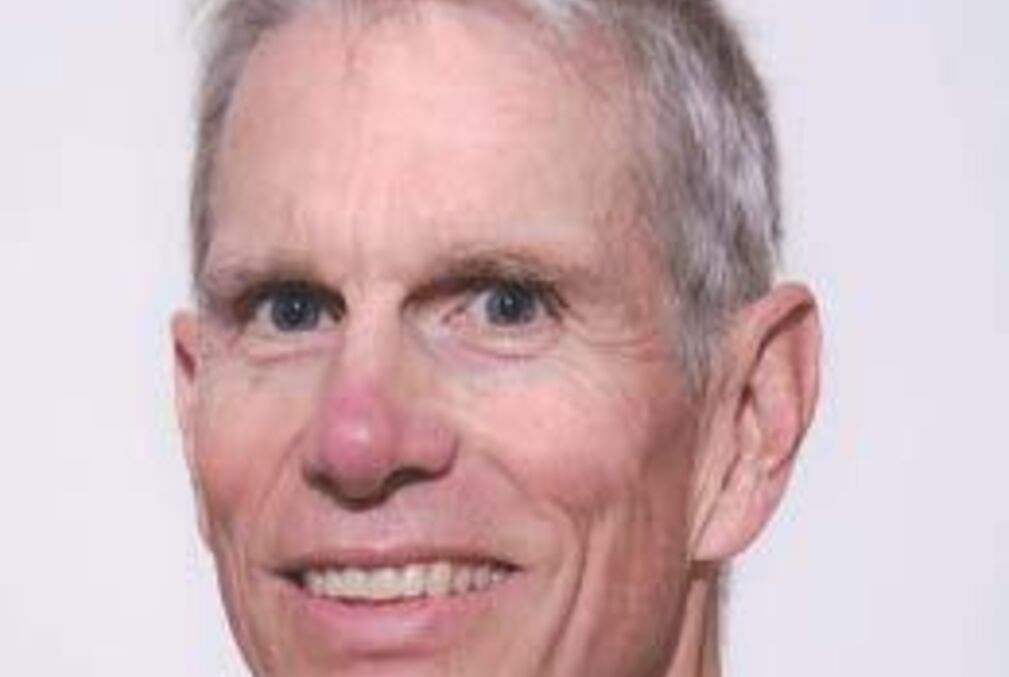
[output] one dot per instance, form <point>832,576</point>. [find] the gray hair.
<point>712,189</point>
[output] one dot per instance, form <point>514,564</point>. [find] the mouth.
<point>404,601</point>
<point>391,584</point>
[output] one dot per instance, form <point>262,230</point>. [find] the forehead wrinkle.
<point>518,65</point>
<point>344,224</point>
<point>589,64</point>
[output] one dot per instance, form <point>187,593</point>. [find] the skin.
<point>410,181</point>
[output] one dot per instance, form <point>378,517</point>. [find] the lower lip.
<point>415,627</point>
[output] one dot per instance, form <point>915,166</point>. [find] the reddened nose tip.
<point>367,438</point>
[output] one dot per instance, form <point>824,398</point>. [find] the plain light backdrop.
<point>890,555</point>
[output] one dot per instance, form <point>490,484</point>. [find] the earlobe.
<point>758,414</point>
<point>185,349</point>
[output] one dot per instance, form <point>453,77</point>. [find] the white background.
<point>890,557</point>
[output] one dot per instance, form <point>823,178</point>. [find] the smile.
<point>393,584</point>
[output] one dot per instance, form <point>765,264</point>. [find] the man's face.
<point>434,416</point>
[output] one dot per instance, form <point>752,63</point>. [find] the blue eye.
<point>295,310</point>
<point>511,304</point>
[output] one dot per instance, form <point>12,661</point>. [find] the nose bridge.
<point>375,430</point>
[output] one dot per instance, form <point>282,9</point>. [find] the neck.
<point>697,652</point>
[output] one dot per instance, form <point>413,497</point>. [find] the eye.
<point>289,308</point>
<point>508,318</point>
<point>294,310</point>
<point>511,303</point>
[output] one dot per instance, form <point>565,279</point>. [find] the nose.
<point>371,445</point>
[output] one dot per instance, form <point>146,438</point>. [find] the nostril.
<point>350,495</point>
<point>362,497</point>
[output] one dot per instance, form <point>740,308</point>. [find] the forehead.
<point>432,117</point>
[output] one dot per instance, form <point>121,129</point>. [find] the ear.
<point>759,404</point>
<point>185,348</point>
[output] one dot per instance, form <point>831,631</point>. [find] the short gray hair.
<point>712,189</point>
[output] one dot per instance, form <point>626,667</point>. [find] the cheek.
<point>605,460</point>
<point>248,419</point>
<point>579,440</point>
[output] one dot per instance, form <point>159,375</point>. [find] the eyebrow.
<point>220,283</point>
<point>459,269</point>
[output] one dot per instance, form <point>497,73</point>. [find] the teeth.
<point>481,577</point>
<point>461,579</point>
<point>316,583</point>
<point>437,579</point>
<point>332,582</point>
<point>354,583</point>
<point>414,580</point>
<point>385,584</point>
